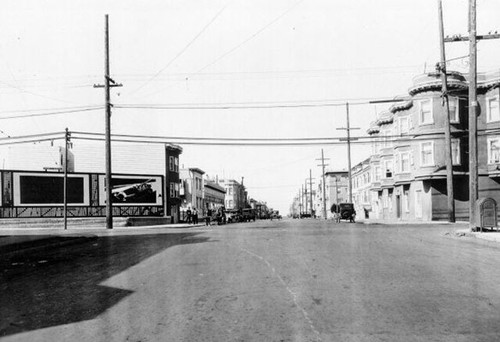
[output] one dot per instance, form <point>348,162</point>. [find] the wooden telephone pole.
<point>324,187</point>
<point>473,106</point>
<point>348,129</point>
<point>108,84</point>
<point>447,129</point>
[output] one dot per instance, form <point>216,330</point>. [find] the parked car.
<point>233,216</point>
<point>248,214</point>
<point>345,211</point>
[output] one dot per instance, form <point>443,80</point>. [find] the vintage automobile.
<point>345,211</point>
<point>248,214</point>
<point>233,215</point>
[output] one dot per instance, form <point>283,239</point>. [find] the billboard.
<point>47,189</point>
<point>132,190</point>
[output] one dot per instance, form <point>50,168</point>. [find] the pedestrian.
<point>195,216</point>
<point>188,215</point>
<point>208,217</point>
<point>336,217</point>
<point>352,217</point>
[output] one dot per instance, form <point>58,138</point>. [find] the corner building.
<point>407,179</point>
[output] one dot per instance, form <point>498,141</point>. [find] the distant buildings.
<point>336,190</point>
<point>214,195</point>
<point>192,190</point>
<point>236,194</point>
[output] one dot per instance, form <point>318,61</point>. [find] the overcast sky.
<point>228,51</point>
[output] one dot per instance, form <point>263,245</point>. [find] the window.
<point>388,168</point>
<point>418,203</point>
<point>406,201</point>
<point>404,126</point>
<point>378,173</point>
<point>404,162</point>
<point>455,151</point>
<point>176,164</point>
<point>492,109</point>
<point>427,153</point>
<point>426,116</point>
<point>171,166</point>
<point>493,150</point>
<point>172,189</point>
<point>389,199</point>
<point>454,104</point>
<point>385,201</point>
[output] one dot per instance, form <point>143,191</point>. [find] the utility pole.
<point>473,160</point>
<point>67,136</point>
<point>311,194</point>
<point>348,129</point>
<point>323,176</point>
<point>300,202</point>
<point>108,84</point>
<point>473,106</point>
<point>310,198</point>
<point>305,197</point>
<point>447,129</point>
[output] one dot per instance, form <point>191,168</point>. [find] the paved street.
<point>290,280</point>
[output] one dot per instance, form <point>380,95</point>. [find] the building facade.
<point>407,168</point>
<point>235,194</point>
<point>336,189</point>
<point>172,181</point>
<point>32,180</point>
<point>192,191</point>
<point>214,195</point>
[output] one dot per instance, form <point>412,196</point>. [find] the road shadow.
<point>60,285</point>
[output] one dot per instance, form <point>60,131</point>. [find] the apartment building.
<point>406,173</point>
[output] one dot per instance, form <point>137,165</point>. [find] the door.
<point>398,206</point>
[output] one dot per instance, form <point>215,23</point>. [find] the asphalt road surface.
<point>291,280</point>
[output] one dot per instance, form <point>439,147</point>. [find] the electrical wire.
<point>255,34</point>
<point>68,111</point>
<point>261,105</point>
<point>182,51</point>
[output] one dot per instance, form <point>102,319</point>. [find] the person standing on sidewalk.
<point>208,217</point>
<point>195,216</point>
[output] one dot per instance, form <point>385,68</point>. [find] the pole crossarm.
<point>111,85</point>
<point>460,38</point>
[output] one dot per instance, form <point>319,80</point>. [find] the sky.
<point>213,53</point>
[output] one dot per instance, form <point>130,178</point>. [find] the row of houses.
<point>203,193</point>
<point>405,176</point>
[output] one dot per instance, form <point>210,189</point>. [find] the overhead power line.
<point>236,47</point>
<point>183,49</point>
<point>55,112</point>
<point>259,141</point>
<point>261,105</point>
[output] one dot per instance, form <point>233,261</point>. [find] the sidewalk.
<point>395,222</point>
<point>461,228</point>
<point>490,235</point>
<point>15,240</point>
